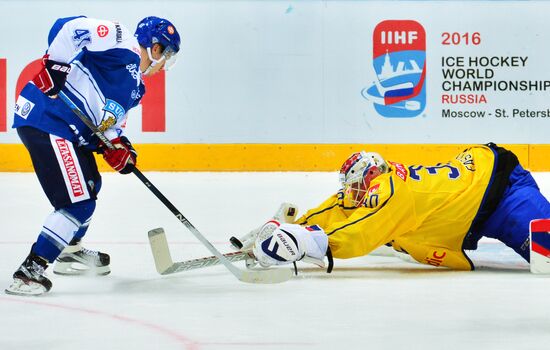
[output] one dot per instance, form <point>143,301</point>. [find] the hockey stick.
<point>260,276</point>
<point>166,266</point>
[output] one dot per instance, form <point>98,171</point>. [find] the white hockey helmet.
<point>358,171</point>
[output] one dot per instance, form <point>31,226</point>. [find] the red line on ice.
<point>181,339</point>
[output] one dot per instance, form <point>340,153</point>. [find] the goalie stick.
<point>260,276</point>
<point>166,266</point>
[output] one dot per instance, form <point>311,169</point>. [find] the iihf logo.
<point>399,62</point>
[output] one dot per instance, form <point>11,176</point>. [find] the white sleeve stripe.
<point>86,72</point>
<point>85,103</point>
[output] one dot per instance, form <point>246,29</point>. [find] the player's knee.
<point>82,211</point>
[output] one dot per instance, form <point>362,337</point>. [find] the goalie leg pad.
<point>540,246</point>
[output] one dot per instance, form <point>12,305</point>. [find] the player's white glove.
<point>286,213</point>
<point>279,244</point>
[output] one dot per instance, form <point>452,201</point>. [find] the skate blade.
<point>78,269</point>
<point>21,288</point>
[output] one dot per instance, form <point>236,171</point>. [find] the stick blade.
<point>165,265</point>
<point>160,249</point>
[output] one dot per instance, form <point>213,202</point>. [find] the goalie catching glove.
<point>123,157</point>
<point>279,244</point>
<point>286,213</point>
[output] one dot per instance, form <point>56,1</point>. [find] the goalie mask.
<point>358,171</point>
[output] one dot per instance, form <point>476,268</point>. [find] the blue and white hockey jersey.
<point>105,81</point>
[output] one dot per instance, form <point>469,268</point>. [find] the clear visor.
<point>168,58</point>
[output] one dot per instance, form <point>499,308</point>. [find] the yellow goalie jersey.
<point>425,211</point>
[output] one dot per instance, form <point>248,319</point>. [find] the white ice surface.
<point>366,303</point>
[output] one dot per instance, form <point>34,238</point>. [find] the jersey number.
<point>81,36</point>
<point>433,170</point>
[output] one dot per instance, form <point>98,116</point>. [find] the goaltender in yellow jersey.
<point>433,213</point>
<point>425,211</point>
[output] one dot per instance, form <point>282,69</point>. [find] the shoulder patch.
<point>400,170</point>
<point>112,112</point>
<point>23,107</point>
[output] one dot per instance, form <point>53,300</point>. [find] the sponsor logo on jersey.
<point>26,109</point>
<point>23,107</point>
<point>68,161</point>
<point>399,63</point>
<point>436,259</point>
<point>102,30</point>
<point>81,37</point>
<point>400,170</point>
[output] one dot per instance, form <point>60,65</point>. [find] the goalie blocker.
<point>282,243</point>
<point>540,246</point>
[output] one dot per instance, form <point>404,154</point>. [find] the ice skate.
<point>77,260</point>
<point>30,279</point>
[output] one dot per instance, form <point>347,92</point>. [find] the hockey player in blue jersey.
<point>99,65</point>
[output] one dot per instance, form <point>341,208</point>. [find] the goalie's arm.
<point>331,210</point>
<point>390,214</point>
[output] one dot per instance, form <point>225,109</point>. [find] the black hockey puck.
<point>235,242</point>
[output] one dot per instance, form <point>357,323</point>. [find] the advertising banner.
<point>321,72</point>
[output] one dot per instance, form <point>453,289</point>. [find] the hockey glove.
<point>123,158</point>
<point>52,77</point>
<point>286,213</point>
<point>279,244</point>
